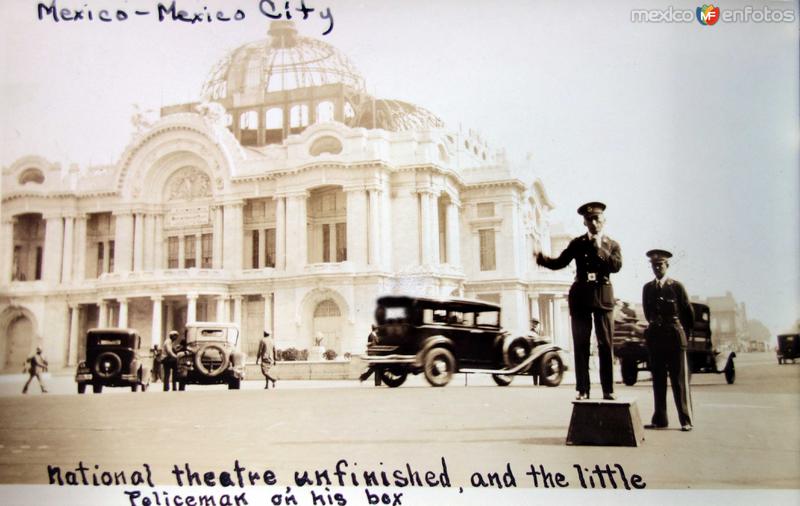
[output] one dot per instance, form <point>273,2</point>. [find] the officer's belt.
<point>592,277</point>
<point>665,321</point>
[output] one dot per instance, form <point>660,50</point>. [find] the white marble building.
<point>286,198</point>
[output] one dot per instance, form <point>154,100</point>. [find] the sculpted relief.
<point>188,184</point>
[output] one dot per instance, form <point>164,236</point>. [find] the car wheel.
<point>107,365</point>
<point>730,372</point>
<point>211,360</point>
<point>96,388</point>
<point>393,376</point>
<point>502,380</point>
<point>439,366</point>
<point>234,384</point>
<point>181,386</point>
<point>780,361</point>
<point>551,370</point>
<point>630,371</point>
<point>81,388</point>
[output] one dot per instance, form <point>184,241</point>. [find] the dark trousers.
<point>34,374</point>
<point>670,360</point>
<point>170,374</point>
<point>581,341</point>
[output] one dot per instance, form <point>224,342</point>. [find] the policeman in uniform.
<point>667,309</point>
<point>591,296</point>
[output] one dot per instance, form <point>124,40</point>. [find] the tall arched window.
<point>324,112</point>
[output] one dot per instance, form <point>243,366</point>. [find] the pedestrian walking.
<point>591,296</point>
<point>267,355</point>
<point>671,318</point>
<point>35,365</point>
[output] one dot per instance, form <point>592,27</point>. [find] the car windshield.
<point>391,314</point>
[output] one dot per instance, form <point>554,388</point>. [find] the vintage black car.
<point>209,354</point>
<point>439,337</point>
<point>788,347</point>
<point>114,358</point>
<point>631,349</point>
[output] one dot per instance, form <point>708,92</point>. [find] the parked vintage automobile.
<point>702,357</point>
<point>788,347</point>
<point>439,337</point>
<point>114,358</point>
<point>209,354</point>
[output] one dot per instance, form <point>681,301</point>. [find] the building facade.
<point>728,321</point>
<point>286,199</point>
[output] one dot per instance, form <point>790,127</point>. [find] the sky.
<point>689,133</point>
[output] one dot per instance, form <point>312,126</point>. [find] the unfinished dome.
<point>283,61</point>
<point>396,116</point>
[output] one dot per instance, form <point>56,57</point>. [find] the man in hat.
<point>670,315</point>
<point>267,355</point>
<point>35,365</point>
<point>591,296</point>
<point>170,361</point>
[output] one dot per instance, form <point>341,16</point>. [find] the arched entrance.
<point>328,323</point>
<point>19,341</point>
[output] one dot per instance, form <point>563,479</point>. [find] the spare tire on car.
<point>107,365</point>
<point>211,360</point>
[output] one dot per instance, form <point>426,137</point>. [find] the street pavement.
<point>745,436</point>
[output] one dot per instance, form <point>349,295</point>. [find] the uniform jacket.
<point>36,362</point>
<point>590,262</point>
<point>665,309</point>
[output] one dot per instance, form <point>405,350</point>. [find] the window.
<point>490,318</point>
<point>269,247</point>
<point>172,253</point>
<point>254,250</point>
<point>110,256</point>
<point>207,250</point>
<point>100,254</point>
<point>326,308</point>
<point>324,112</point>
<point>341,242</point>
<point>487,250</point>
<point>326,243</point>
<point>189,251</point>
<point>248,120</point>
<point>274,118</point>
<point>298,116</point>
<point>38,273</point>
<point>434,316</point>
<point>16,271</point>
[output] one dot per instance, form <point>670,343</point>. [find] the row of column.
<point>156,336</point>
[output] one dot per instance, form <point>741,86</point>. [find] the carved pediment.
<point>187,184</point>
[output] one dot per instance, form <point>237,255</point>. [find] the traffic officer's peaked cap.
<point>658,255</point>
<point>591,209</point>
<point>266,334</point>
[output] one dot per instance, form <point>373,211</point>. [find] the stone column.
<point>387,244</point>
<point>216,255</point>
<point>170,316</point>
<point>158,242</point>
<point>7,252</point>
<point>280,233</point>
<point>191,309</point>
<point>453,247</point>
<point>221,315</point>
<point>374,252</point>
<point>149,242</point>
<point>53,248</point>
<point>102,315</point>
<point>232,254</point>
<point>198,250</point>
<point>237,310</point>
<point>106,258</point>
<point>296,232</point>
<point>157,324</point>
<point>74,321</point>
<point>138,242</point>
<point>558,334</point>
<point>433,228</point>
<point>268,312</point>
<point>123,241</point>
<point>80,248</point>
<point>181,251</point>
<point>357,227</point>
<point>426,246</point>
<point>262,251</point>
<point>123,313</point>
<point>69,247</point>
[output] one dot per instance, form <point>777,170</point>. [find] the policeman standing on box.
<point>670,315</point>
<point>591,296</point>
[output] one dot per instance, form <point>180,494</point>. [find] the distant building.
<point>287,198</point>
<point>728,321</point>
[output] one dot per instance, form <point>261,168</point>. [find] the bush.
<point>289,355</point>
<point>329,354</point>
<point>347,355</point>
<point>302,355</point>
